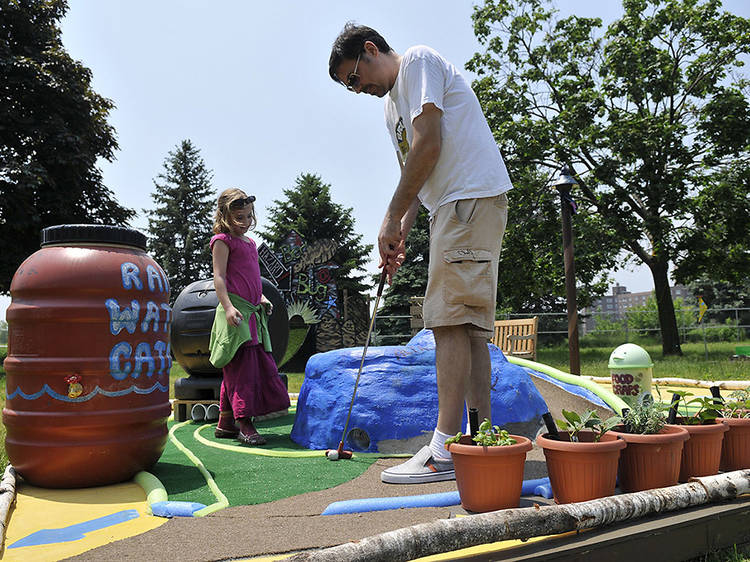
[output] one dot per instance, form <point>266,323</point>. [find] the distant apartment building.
<point>615,305</point>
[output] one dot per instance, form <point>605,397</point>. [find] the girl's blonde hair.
<point>232,199</point>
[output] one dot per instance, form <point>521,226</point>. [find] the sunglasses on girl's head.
<point>239,203</point>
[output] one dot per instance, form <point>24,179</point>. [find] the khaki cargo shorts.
<point>465,241</point>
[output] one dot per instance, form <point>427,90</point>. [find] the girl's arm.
<point>268,305</point>
<point>220,255</point>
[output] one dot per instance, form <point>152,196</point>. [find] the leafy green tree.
<point>718,244</point>
<point>309,210</point>
<point>180,224</point>
<point>643,113</point>
<point>53,128</point>
<point>721,294</point>
<point>645,319</point>
<point>531,275</point>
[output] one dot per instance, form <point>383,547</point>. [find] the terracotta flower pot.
<point>735,449</point>
<point>651,461</point>
<point>584,470</point>
<point>489,478</point>
<point>701,454</point>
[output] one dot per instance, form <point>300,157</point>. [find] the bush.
<point>715,332</point>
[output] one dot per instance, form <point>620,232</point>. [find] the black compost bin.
<point>193,316</point>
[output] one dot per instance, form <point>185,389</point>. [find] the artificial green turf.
<point>247,479</point>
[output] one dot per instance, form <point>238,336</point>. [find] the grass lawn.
<point>692,365</point>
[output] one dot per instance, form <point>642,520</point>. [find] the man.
<point>452,166</point>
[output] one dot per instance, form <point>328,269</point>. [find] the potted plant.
<point>582,459</point>
<point>735,413</point>
<point>653,456</point>
<point>489,467</point>
<point>701,454</point>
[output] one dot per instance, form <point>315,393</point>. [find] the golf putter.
<point>340,453</point>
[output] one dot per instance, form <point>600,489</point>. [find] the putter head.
<point>338,454</point>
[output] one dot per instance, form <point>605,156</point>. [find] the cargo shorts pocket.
<point>468,277</point>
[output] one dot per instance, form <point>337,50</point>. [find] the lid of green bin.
<point>630,356</point>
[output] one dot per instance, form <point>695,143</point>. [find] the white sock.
<point>437,446</point>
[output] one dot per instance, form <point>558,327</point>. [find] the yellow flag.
<point>702,308</point>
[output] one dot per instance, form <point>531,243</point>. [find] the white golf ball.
<point>333,455</point>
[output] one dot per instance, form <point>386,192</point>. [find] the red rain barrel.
<point>88,359</point>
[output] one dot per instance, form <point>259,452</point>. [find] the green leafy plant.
<point>487,435</point>
<point>737,405</point>
<point>574,424</point>
<point>698,410</point>
<point>646,416</point>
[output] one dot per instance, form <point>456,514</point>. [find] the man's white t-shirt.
<point>469,165</point>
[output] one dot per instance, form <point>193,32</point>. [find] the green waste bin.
<point>630,367</point>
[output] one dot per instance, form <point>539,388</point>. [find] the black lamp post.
<point>564,184</point>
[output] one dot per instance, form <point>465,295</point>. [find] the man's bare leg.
<point>453,362</point>
<point>478,387</point>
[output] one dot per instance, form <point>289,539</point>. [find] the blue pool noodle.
<point>175,508</point>
<point>538,486</point>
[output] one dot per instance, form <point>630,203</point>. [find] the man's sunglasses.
<point>352,79</point>
<point>240,203</point>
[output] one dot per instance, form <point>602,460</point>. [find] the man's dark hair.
<point>350,43</point>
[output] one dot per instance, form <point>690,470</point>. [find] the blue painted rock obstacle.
<point>397,404</point>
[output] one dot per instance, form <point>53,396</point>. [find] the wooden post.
<point>570,278</point>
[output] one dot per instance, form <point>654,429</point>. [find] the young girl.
<point>240,342</point>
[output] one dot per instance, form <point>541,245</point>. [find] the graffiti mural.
<point>305,275</point>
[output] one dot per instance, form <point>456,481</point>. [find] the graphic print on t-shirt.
<point>403,144</point>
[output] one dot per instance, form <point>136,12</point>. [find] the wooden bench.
<point>517,337</point>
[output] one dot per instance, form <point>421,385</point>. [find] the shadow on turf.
<point>181,478</point>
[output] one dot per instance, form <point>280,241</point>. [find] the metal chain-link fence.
<point>717,324</point>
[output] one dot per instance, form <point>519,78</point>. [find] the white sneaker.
<point>421,468</point>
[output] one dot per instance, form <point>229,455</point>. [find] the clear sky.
<point>248,83</point>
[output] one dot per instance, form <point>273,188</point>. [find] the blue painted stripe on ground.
<point>74,532</point>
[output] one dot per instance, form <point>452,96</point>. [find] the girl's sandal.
<point>220,432</point>
<point>225,433</point>
<point>254,440</point>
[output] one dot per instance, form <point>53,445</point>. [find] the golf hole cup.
<point>630,366</point>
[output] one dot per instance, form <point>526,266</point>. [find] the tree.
<point>309,210</point>
<point>718,244</point>
<point>180,225</point>
<point>53,128</point>
<point>645,114</point>
<point>532,276</point>
<point>720,294</point>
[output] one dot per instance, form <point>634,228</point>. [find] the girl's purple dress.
<point>250,385</point>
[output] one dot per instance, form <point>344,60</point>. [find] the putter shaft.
<point>364,351</point>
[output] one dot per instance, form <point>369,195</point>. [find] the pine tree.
<point>53,129</point>
<point>180,225</point>
<point>309,210</point>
